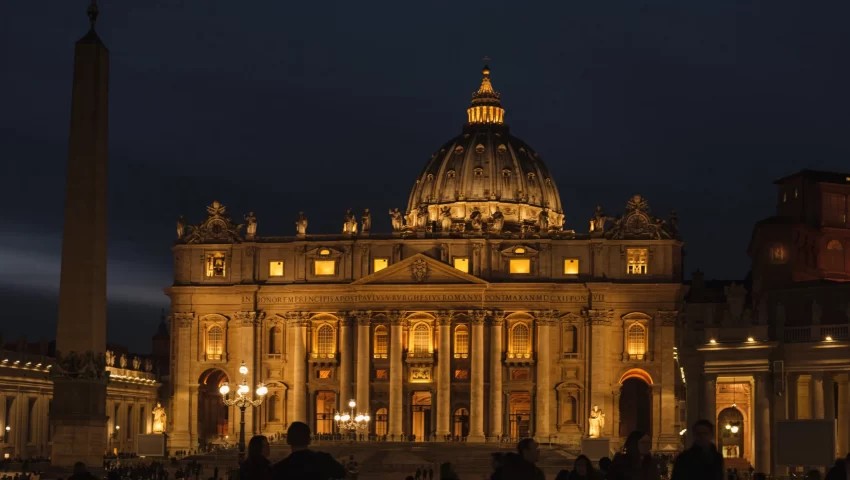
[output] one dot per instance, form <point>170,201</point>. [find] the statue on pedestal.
<point>122,362</point>
<point>397,220</point>
<point>422,217</point>
<point>497,221</point>
<point>181,227</point>
<point>301,224</point>
<point>597,223</point>
<point>596,422</point>
<point>475,218</point>
<point>366,221</point>
<point>446,219</point>
<point>349,225</point>
<point>137,363</point>
<point>110,358</point>
<point>252,225</point>
<point>543,220</point>
<point>159,418</point>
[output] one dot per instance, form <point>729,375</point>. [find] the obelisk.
<point>79,378</point>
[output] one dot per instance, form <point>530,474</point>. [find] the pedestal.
<point>79,419</point>
<point>596,448</point>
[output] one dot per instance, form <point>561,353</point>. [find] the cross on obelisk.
<point>78,411</point>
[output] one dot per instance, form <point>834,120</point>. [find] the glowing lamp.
<point>358,418</point>
<point>262,390</point>
<point>346,417</point>
<point>828,338</point>
<point>352,404</point>
<point>366,418</point>
<point>243,389</point>
<point>734,429</point>
<point>728,427</point>
<point>713,341</point>
<point>337,418</point>
<point>117,427</point>
<point>243,369</point>
<point>8,428</point>
<point>224,389</point>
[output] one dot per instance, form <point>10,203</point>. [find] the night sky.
<point>277,107</point>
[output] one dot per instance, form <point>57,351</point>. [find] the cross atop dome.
<point>486,105</point>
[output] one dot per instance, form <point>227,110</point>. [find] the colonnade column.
<point>816,389</point>
<point>363,361</point>
<point>541,413</point>
<point>476,401</point>
<point>298,323</point>
<point>843,412</point>
<point>396,385</point>
<point>180,410</point>
<point>444,393</point>
<point>709,406</point>
<point>496,420</point>
<point>656,415</point>
<point>762,425</point>
<point>829,397</point>
<point>345,364</point>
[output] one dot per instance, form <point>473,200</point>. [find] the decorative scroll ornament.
<point>87,365</point>
<point>419,270</point>
<point>637,223</point>
<point>217,228</point>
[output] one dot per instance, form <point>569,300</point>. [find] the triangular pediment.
<point>419,269</point>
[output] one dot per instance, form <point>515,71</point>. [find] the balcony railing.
<point>816,333</point>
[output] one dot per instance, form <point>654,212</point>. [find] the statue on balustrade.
<point>366,221</point>
<point>446,219</point>
<point>596,423</point>
<point>497,222</point>
<point>397,220</point>
<point>301,224</point>
<point>349,225</point>
<point>252,226</point>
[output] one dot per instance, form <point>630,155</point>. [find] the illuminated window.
<point>462,264</point>
<point>777,254</point>
<point>381,422</point>
<point>381,341</point>
<point>637,341</point>
<point>324,251</point>
<point>325,267</point>
<point>519,250</point>
<point>421,338</point>
<point>462,374</point>
<point>325,339</point>
<point>461,341</point>
<point>324,374</point>
<point>379,264</point>
<point>520,266</point>
<point>215,343</point>
<point>381,374</point>
<point>636,261</point>
<point>215,264</point>
<point>834,258</point>
<point>571,266</point>
<point>520,340</point>
<point>275,269</point>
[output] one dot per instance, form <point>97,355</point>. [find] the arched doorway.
<point>421,411</point>
<point>730,429</point>
<point>213,415</point>
<point>325,408</point>
<point>635,402</point>
<point>381,422</point>
<point>461,423</point>
<point>519,414</point>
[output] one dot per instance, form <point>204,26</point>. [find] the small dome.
<point>486,168</point>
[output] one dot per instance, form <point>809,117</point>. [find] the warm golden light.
<point>324,251</point>
<point>571,266</point>
<point>325,267</point>
<point>462,264</point>
<point>750,339</point>
<point>636,338</point>
<point>519,250</point>
<point>828,338</point>
<point>520,266</point>
<point>379,264</point>
<point>713,341</point>
<point>636,261</point>
<point>216,264</point>
<point>276,269</point>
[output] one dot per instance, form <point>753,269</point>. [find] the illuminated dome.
<point>486,169</point>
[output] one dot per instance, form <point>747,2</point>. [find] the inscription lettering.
<point>246,299</point>
<point>396,298</point>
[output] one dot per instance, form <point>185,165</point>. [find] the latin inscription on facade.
<point>398,298</point>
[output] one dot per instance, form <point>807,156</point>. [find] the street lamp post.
<point>6,435</point>
<point>352,421</point>
<point>243,401</point>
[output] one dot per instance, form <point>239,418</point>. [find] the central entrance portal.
<point>421,416</point>
<point>520,415</point>
<point>213,421</point>
<point>635,407</point>
<point>325,407</point>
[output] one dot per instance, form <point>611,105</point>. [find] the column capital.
<point>364,317</point>
<point>668,317</point>
<point>183,319</point>
<point>478,316</point>
<point>444,317</point>
<point>249,318</point>
<point>297,319</point>
<point>545,318</point>
<point>346,321</point>
<point>599,317</point>
<point>395,317</point>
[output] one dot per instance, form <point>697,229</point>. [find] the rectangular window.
<point>636,261</point>
<point>276,269</point>
<point>570,266</point>
<point>215,265</point>
<point>381,374</point>
<point>324,374</point>
<point>462,374</point>
<point>462,264</point>
<point>379,264</point>
<point>520,266</point>
<point>324,267</point>
<point>834,209</point>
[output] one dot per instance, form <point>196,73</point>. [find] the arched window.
<point>381,341</point>
<point>636,341</point>
<point>570,339</point>
<point>421,338</point>
<point>381,422</point>
<point>271,408</point>
<point>275,340</point>
<point>461,423</point>
<point>215,343</point>
<point>520,340</point>
<point>461,341</point>
<point>834,257</point>
<point>325,339</point>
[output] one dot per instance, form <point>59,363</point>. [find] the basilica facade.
<point>479,316</point>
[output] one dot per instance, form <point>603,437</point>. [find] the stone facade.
<point>777,345</point>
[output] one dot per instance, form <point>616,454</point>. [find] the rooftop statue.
<point>301,224</point>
